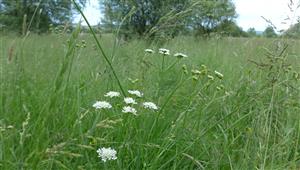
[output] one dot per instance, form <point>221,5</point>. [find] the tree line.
<point>151,18</point>
<point>17,15</point>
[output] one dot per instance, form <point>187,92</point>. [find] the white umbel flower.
<point>150,105</point>
<point>112,94</point>
<point>102,105</point>
<point>180,55</point>
<point>129,109</point>
<point>107,154</point>
<point>135,92</point>
<point>164,51</point>
<point>149,51</point>
<point>129,100</point>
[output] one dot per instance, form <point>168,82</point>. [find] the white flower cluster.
<point>107,154</point>
<point>180,55</point>
<point>102,105</point>
<point>135,92</point>
<point>164,51</point>
<point>129,109</point>
<point>112,94</point>
<point>129,101</point>
<point>149,51</point>
<point>150,105</point>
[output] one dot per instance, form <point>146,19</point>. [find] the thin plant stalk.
<point>163,63</point>
<point>100,48</point>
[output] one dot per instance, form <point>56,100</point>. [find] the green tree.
<point>293,31</point>
<point>269,32</point>
<point>17,14</point>
<point>209,14</point>
<point>168,16</point>
<point>230,28</point>
<point>146,14</point>
<point>252,32</point>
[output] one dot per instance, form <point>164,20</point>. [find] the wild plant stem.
<point>100,48</point>
<point>163,63</point>
<point>165,104</point>
<point>172,65</point>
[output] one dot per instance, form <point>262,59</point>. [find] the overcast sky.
<point>249,12</point>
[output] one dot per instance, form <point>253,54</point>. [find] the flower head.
<point>164,51</point>
<point>196,72</point>
<point>102,105</point>
<point>135,92</point>
<point>129,109</point>
<point>149,51</point>
<point>210,77</point>
<point>107,154</point>
<point>129,100</point>
<point>219,75</point>
<point>112,94</point>
<point>180,55</point>
<point>150,105</point>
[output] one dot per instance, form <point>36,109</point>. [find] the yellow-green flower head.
<point>203,72</point>
<point>210,77</point>
<point>296,75</point>
<point>196,72</point>
<point>219,75</point>
<point>184,68</point>
<point>219,88</point>
<point>195,78</point>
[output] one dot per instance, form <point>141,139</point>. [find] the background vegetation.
<point>246,118</point>
<point>133,18</point>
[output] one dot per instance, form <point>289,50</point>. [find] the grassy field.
<point>246,119</point>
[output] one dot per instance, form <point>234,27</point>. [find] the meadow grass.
<point>249,119</point>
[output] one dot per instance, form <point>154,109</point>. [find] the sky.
<point>249,12</point>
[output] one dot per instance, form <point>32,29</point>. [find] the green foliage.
<point>20,14</point>
<point>230,28</point>
<point>252,32</point>
<point>293,31</point>
<point>269,32</point>
<point>145,15</point>
<point>169,17</point>
<point>246,119</point>
<point>208,15</point>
